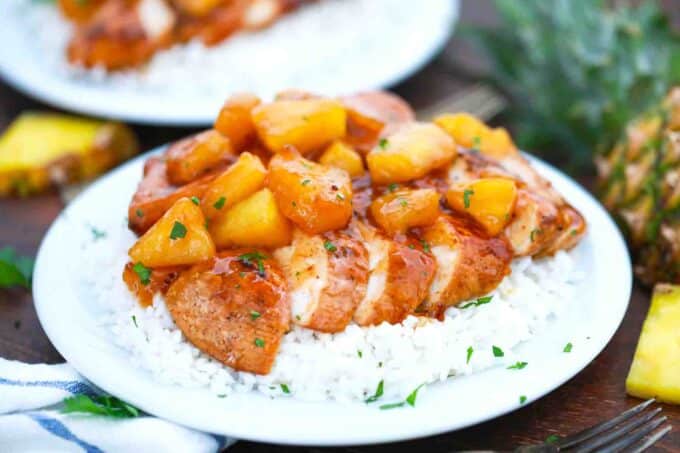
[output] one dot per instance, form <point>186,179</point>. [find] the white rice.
<point>330,47</point>
<point>345,366</point>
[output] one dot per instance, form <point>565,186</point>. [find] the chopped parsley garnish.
<point>518,366</point>
<point>97,233</point>
<point>254,259</point>
<point>403,203</point>
<point>139,213</point>
<point>466,197</point>
<point>219,204</point>
<point>476,141</point>
<point>534,233</point>
<point>567,347</point>
<point>360,354</point>
<point>143,272</point>
<point>178,231</point>
<point>254,315</point>
<point>573,232</point>
<point>378,392</point>
<point>497,352</point>
<point>109,406</point>
<point>411,398</point>
<point>328,245</point>
<point>392,187</point>
<point>305,182</point>
<point>383,143</point>
<point>259,342</point>
<point>411,246</point>
<point>195,201</point>
<point>551,439</point>
<point>478,302</point>
<point>385,407</point>
<point>285,389</point>
<point>222,395</point>
<point>340,197</point>
<point>426,246</point>
<point>522,399</point>
<point>134,320</point>
<point>15,270</point>
<point>470,350</point>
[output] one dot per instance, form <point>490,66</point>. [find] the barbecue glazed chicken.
<point>118,34</point>
<point>323,212</point>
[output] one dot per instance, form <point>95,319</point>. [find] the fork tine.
<point>651,440</point>
<point>633,437</point>
<point>587,433</point>
<point>622,430</point>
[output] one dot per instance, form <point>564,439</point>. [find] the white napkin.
<point>30,418</point>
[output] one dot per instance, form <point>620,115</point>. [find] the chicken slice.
<point>469,263</point>
<point>327,277</point>
<point>234,308</point>
<point>572,227</point>
<point>399,278</point>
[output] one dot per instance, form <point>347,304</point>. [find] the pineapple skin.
<point>639,183</point>
<point>655,371</point>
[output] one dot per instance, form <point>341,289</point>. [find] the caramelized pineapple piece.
<point>469,132</point>
<point>315,197</point>
<point>235,122</point>
<point>410,153</point>
<point>307,125</point>
<point>253,222</point>
<point>178,238</point>
<point>239,181</point>
<point>490,201</point>
<point>341,155</point>
<point>655,372</point>
<point>403,209</point>
<point>191,157</point>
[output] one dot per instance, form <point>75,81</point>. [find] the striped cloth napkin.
<point>31,420</point>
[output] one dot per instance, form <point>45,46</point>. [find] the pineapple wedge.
<point>42,149</point>
<point>398,211</point>
<point>341,155</point>
<point>178,238</point>
<point>490,201</point>
<point>655,372</point>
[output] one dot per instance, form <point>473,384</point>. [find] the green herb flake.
<point>139,213</point>
<point>567,347</point>
<point>476,142</point>
<point>285,389</point>
<point>143,272</point>
<point>222,395</point>
<point>340,197</point>
<point>97,233</point>
<point>470,350</point>
<point>411,246</point>
<point>259,342</point>
<point>467,193</point>
<point>195,200</point>
<point>411,398</point>
<point>254,315</point>
<point>518,366</point>
<point>178,231</point>
<point>389,406</point>
<point>15,270</point>
<point>392,187</point>
<point>551,439</point>
<point>105,405</point>
<point>426,245</point>
<point>328,245</point>
<point>383,143</point>
<point>533,234</point>
<point>378,392</point>
<point>134,320</point>
<point>522,399</point>
<point>497,352</point>
<point>254,259</point>
<point>219,204</point>
<point>480,301</point>
<point>305,182</point>
<point>402,202</point>
<point>360,354</point>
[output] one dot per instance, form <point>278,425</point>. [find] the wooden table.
<point>594,394</point>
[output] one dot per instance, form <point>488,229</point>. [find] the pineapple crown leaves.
<point>578,71</point>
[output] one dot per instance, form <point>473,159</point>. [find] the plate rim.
<point>92,373</point>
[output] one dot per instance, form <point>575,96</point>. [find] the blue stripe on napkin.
<point>57,428</point>
<point>74,387</point>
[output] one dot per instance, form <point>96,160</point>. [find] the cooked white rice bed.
<point>345,366</point>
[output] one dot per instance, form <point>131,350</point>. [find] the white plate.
<point>71,322</point>
<point>31,59</point>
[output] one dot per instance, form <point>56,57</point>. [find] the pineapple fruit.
<point>639,183</point>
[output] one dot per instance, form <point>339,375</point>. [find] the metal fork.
<point>634,430</point>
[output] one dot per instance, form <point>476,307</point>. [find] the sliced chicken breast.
<point>236,310</point>
<point>469,263</point>
<point>327,276</point>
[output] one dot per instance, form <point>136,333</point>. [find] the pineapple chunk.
<point>242,179</point>
<point>42,149</point>
<point>178,238</point>
<point>253,222</point>
<point>490,201</point>
<point>307,125</point>
<point>469,132</point>
<point>413,151</point>
<point>403,209</point>
<point>341,155</point>
<point>315,197</point>
<point>235,122</point>
<point>189,158</point>
<point>655,372</point>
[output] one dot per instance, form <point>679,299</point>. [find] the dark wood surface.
<point>594,394</point>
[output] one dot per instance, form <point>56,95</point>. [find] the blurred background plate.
<point>331,47</point>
